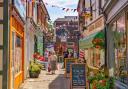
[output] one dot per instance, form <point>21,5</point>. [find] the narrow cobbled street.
<point>47,81</point>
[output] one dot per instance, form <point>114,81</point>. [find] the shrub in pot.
<point>34,70</point>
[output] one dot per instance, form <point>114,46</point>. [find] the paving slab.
<point>46,81</point>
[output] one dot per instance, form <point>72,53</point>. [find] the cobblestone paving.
<point>45,81</point>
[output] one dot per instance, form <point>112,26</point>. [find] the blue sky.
<point>55,12</point>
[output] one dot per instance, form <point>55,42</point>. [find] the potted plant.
<point>34,70</point>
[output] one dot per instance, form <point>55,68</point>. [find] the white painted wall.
<point>29,47</point>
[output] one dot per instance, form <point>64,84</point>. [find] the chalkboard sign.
<point>68,62</point>
<point>78,75</point>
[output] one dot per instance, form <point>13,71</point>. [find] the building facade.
<point>66,34</point>
<point>20,20</point>
<point>37,25</point>
<point>93,39</point>
<point>117,24</point>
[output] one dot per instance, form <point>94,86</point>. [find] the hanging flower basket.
<point>98,41</point>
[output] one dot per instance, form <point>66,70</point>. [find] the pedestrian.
<point>70,55</point>
<point>66,53</point>
<point>49,64</point>
<point>53,62</point>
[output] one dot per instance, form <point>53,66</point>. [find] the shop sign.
<point>21,7</point>
<point>70,44</point>
<point>95,27</point>
<point>78,76</point>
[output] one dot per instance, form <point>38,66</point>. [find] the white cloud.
<point>62,3</point>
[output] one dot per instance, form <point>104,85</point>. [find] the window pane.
<point>119,37</point>
<point>1,13</point>
<point>18,55</point>
<point>1,34</point>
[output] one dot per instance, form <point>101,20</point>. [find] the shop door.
<point>16,66</point>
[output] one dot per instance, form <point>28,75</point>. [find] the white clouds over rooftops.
<point>62,3</point>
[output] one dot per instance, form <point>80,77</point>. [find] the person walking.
<point>53,62</point>
<point>49,64</point>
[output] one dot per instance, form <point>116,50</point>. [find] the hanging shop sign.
<point>68,62</point>
<point>78,76</point>
<point>21,7</point>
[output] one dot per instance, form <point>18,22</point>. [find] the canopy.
<point>87,41</point>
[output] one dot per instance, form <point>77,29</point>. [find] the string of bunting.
<point>68,9</point>
<point>62,8</point>
<point>86,11</point>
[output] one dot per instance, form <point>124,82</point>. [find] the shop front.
<point>16,64</point>
<point>118,48</point>
<point>93,54</point>
<point>93,44</point>
<point>16,53</point>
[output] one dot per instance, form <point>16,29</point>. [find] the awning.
<point>87,41</point>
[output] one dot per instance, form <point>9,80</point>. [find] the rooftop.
<point>68,18</point>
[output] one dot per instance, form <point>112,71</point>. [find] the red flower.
<point>41,58</point>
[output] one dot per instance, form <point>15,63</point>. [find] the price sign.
<point>78,76</point>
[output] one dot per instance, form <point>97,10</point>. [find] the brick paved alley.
<point>46,81</point>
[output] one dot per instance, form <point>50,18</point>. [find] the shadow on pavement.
<point>60,83</point>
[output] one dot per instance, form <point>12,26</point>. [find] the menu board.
<point>68,62</point>
<point>78,75</point>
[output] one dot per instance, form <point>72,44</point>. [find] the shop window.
<point>18,55</point>
<point>96,58</point>
<point>119,37</point>
<point>1,14</point>
<point>1,34</point>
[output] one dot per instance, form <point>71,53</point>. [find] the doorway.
<point>16,54</point>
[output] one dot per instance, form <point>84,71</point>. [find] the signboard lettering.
<point>78,75</point>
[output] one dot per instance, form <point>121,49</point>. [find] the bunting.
<point>67,9</point>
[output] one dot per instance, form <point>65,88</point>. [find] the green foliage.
<point>100,76</point>
<point>101,81</point>
<point>34,67</point>
<point>91,79</point>
<point>40,66</point>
